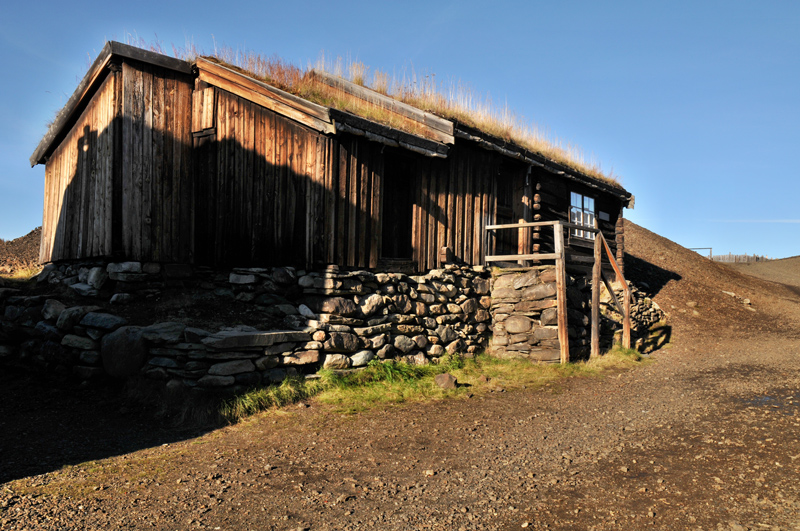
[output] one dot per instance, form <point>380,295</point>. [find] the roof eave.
<point>95,75</point>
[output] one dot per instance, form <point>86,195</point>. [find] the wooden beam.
<point>610,289</point>
<point>611,259</point>
<point>561,293</point>
<point>515,257</point>
<point>439,127</point>
<point>265,100</point>
<point>518,225</point>
<point>596,273</point>
<point>247,82</point>
<point>627,296</point>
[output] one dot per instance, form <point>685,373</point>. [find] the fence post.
<point>561,292</point>
<point>596,272</point>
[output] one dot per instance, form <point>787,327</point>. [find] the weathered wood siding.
<point>78,182</point>
<point>457,199</point>
<point>260,186</point>
<point>155,188</point>
<point>119,182</point>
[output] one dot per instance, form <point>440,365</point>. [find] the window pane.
<point>588,204</point>
<point>576,199</point>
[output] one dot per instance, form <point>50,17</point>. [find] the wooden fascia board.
<point>438,127</point>
<point>279,101</point>
<point>91,80</point>
<point>402,138</point>
<point>514,151</point>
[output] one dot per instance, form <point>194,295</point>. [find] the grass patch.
<point>391,382</point>
<point>21,274</point>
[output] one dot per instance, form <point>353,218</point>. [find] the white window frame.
<point>582,212</point>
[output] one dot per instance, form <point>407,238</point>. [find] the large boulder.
<point>123,351</point>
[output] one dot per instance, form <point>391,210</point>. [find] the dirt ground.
<point>704,436</point>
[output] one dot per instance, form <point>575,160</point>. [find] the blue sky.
<point>695,105</point>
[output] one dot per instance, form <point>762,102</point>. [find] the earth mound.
<point>701,296</point>
<point>21,253</point>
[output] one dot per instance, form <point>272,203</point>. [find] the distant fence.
<point>739,258</point>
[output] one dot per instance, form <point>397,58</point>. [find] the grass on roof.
<point>451,100</point>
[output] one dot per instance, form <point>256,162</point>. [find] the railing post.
<point>626,322</point>
<point>596,273</point>
<point>561,292</point>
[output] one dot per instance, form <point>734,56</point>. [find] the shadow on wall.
<point>226,205</point>
<point>44,427</point>
<point>305,201</point>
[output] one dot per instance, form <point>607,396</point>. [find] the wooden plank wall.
<point>78,182</point>
<point>454,205</point>
<point>261,187</point>
<point>156,216</point>
<point>353,203</point>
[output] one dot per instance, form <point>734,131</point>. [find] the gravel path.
<point>703,437</point>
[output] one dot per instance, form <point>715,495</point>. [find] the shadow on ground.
<point>643,272</point>
<point>45,426</point>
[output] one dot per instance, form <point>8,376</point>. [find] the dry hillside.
<point>691,288</point>
<point>785,271</point>
<point>20,253</point>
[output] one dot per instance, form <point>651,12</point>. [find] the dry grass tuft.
<point>452,100</point>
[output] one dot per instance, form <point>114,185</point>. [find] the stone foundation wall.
<point>333,319</point>
<point>525,316</point>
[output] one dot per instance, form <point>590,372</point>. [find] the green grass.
<point>389,383</point>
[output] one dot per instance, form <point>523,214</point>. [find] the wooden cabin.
<point>156,159</point>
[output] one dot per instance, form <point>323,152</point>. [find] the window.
<point>581,212</point>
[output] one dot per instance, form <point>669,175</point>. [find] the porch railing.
<point>598,275</point>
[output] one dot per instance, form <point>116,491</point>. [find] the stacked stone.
<point>525,315</point>
<point>416,319</point>
<point>234,358</point>
<point>356,317</point>
<point>645,312</point>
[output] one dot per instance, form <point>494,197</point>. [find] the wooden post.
<point>561,292</point>
<point>626,304</point>
<point>626,321</point>
<point>596,269</point>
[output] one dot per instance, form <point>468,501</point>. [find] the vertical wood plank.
<point>561,293</point>
<point>341,201</point>
<point>331,191</point>
<point>459,225</point>
<point>147,140</point>
<point>352,202</point>
<point>375,219</point>
<point>442,170</point>
<point>596,271</point>
<point>430,214</point>
<point>364,195</point>
<point>270,172</point>
<point>259,171</point>
<point>451,202</point>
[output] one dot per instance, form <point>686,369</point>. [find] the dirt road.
<point>703,437</point>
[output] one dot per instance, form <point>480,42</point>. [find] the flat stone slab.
<point>241,340</point>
